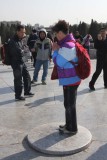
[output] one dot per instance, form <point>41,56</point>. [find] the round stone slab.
<point>47,139</point>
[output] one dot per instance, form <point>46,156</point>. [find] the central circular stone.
<point>47,139</point>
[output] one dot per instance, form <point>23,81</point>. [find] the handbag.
<point>54,74</point>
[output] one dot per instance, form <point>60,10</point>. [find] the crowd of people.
<point>61,48</point>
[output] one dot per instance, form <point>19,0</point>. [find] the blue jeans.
<point>38,65</point>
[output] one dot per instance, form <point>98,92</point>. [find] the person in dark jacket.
<point>20,71</point>
<point>78,37</point>
<point>31,41</point>
<point>101,64</point>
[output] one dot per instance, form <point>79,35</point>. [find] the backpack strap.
<point>74,63</point>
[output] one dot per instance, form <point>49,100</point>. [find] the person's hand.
<point>33,50</point>
<point>50,60</point>
<point>1,45</point>
<point>55,46</point>
<point>99,37</point>
<point>78,40</point>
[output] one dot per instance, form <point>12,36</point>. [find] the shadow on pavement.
<point>100,154</point>
<point>6,90</point>
<point>27,154</point>
<point>41,101</point>
<point>7,102</point>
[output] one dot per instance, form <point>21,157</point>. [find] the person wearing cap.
<point>31,41</point>
<point>43,47</point>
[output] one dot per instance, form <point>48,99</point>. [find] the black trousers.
<point>101,64</point>
<point>34,55</point>
<point>21,75</point>
<point>70,95</point>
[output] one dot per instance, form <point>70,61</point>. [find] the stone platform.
<point>47,139</point>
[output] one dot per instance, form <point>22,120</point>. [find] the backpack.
<point>5,56</point>
<point>83,66</point>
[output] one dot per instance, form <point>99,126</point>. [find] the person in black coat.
<point>101,63</point>
<point>31,41</point>
<point>18,65</point>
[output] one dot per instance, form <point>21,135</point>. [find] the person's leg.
<point>45,70</point>
<point>99,67</point>
<point>37,69</point>
<point>33,58</point>
<point>17,72</point>
<point>26,79</point>
<point>105,71</point>
<point>87,47</point>
<point>70,94</point>
<point>35,55</point>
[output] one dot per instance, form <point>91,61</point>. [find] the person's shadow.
<point>41,101</point>
<point>100,154</point>
<point>6,90</point>
<point>29,153</point>
<point>60,98</point>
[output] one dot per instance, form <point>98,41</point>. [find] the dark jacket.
<point>101,46</point>
<point>31,40</point>
<point>16,51</point>
<point>78,37</point>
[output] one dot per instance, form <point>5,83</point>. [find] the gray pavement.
<point>18,118</point>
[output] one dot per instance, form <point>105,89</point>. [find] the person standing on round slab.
<point>63,52</point>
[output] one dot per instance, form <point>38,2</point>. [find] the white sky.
<point>47,12</point>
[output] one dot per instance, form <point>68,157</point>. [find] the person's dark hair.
<point>19,27</point>
<point>49,36</point>
<point>102,28</point>
<point>34,30</point>
<point>61,25</point>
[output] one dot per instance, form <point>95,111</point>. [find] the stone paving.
<point>18,118</point>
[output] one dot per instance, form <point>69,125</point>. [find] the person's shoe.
<point>62,126</point>
<point>92,88</point>
<point>33,81</point>
<point>105,87</point>
<point>44,82</point>
<point>20,98</point>
<point>65,131</point>
<point>29,94</point>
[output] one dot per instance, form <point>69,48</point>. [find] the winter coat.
<point>62,57</point>
<point>43,49</point>
<point>16,51</point>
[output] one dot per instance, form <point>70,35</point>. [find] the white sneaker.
<point>65,131</point>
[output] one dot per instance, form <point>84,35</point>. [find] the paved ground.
<point>18,118</point>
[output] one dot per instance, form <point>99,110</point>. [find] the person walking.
<point>43,47</point>
<point>101,62</point>
<point>20,72</point>
<point>64,51</point>
<point>31,41</point>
